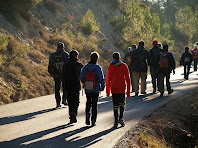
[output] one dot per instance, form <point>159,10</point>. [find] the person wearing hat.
<point>195,56</point>
<point>186,61</point>
<point>140,59</point>
<point>166,64</point>
<point>55,68</point>
<point>154,53</point>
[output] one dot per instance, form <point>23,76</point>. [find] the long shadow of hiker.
<point>56,141</point>
<point>13,119</point>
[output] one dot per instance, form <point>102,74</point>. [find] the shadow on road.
<point>36,141</point>
<point>14,119</point>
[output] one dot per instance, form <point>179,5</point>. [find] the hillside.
<point>31,29</point>
<point>30,33</point>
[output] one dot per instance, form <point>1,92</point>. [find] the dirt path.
<point>174,125</point>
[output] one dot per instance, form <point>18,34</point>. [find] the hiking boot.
<point>93,123</point>
<point>58,105</point>
<point>121,121</point>
<point>170,92</point>
<point>64,102</point>
<point>87,121</point>
<point>115,125</point>
<point>73,118</point>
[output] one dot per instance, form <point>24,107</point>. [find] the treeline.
<point>172,22</point>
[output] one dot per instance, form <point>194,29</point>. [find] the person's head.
<point>159,45</point>
<point>195,46</point>
<point>186,49</point>
<point>155,42</point>
<point>165,47</point>
<point>134,47</point>
<point>60,45</point>
<point>141,43</point>
<point>73,54</point>
<point>129,48</point>
<point>116,56</point>
<point>197,43</point>
<point>94,57</point>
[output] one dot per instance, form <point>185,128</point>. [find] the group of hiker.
<point>161,63</point>
<point>187,58</point>
<point>69,74</point>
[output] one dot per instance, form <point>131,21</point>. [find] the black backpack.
<point>58,64</point>
<point>141,59</point>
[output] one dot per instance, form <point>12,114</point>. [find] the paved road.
<point>35,123</point>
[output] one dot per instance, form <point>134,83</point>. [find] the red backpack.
<point>163,62</point>
<point>90,81</point>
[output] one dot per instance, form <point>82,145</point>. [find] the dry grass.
<point>69,18</point>
<point>14,72</point>
<point>36,56</point>
<point>53,6</point>
<point>58,38</point>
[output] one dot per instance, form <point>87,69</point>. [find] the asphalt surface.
<point>35,123</point>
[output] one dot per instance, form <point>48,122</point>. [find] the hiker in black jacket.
<point>140,60</point>
<point>71,76</point>
<point>55,68</point>
<point>154,53</point>
<point>165,67</point>
<point>186,61</point>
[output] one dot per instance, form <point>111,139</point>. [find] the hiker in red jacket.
<point>195,57</point>
<point>117,77</point>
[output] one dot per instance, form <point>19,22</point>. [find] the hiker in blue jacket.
<point>63,56</point>
<point>186,61</point>
<point>92,91</point>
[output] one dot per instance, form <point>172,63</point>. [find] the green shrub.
<point>4,40</point>
<point>88,23</point>
<point>3,59</point>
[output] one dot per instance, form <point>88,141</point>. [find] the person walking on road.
<point>186,60</point>
<point>165,67</point>
<point>140,60</point>
<point>127,60</point>
<point>93,79</point>
<point>195,57</point>
<point>71,75</point>
<point>154,53</point>
<point>57,61</point>
<point>116,80</point>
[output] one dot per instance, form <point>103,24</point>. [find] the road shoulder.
<point>173,125</point>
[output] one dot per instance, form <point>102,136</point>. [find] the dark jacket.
<point>99,77</point>
<point>71,74</point>
<point>154,54</point>
<point>186,59</point>
<point>65,55</point>
<point>171,63</point>
<point>140,59</point>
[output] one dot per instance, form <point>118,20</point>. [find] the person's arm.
<point>172,62</point>
<point>82,74</point>
<point>182,60</point>
<point>108,82</point>
<point>50,65</point>
<point>127,78</point>
<point>101,78</point>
